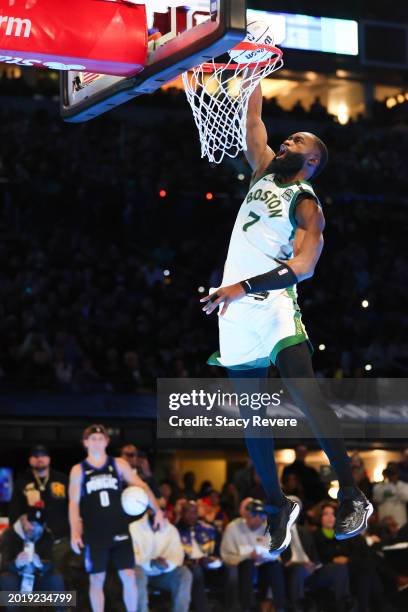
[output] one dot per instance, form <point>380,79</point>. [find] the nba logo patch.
<point>287,195</point>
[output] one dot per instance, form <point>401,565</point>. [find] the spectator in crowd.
<point>243,479</point>
<point>308,478</point>
<point>189,491</point>
<point>128,453</point>
<point>244,546</point>
<point>360,474</point>
<point>210,510</point>
<point>199,540</point>
<point>256,490</point>
<point>42,483</point>
<point>230,500</point>
<point>304,570</point>
<point>291,485</point>
<point>166,492</point>
<point>25,552</point>
<point>391,496</point>
<point>139,463</point>
<point>205,489</point>
<point>173,478</point>
<point>386,529</point>
<point>160,555</point>
<point>356,555</point>
<point>178,509</point>
<point>403,465</point>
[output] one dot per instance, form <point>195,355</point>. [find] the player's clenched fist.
<point>224,295</point>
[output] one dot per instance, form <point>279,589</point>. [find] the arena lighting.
<point>399,99</point>
<point>334,489</point>
<point>241,176</point>
<point>166,272</point>
<point>368,367</point>
<point>322,347</point>
<point>287,455</point>
<point>343,113</point>
<point>378,472</point>
<point>162,193</point>
<point>201,289</point>
<point>209,196</point>
<point>365,304</point>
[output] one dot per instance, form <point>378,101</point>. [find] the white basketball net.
<point>218,95</point>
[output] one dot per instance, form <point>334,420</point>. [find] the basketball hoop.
<point>218,94</point>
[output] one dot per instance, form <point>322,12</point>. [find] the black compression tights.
<point>294,362</point>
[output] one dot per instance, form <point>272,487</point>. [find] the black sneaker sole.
<point>363,525</point>
<point>292,518</point>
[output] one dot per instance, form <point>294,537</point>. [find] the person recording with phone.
<point>25,551</point>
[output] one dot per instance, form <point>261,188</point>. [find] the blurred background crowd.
<point>111,232</point>
<point>212,553</point>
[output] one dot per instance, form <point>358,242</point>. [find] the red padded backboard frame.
<point>91,35</point>
<point>222,31</point>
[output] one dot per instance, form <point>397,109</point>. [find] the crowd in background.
<point>107,237</point>
<point>212,551</point>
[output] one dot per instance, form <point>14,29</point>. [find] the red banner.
<point>101,36</point>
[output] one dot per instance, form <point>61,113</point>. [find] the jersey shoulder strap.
<point>294,194</point>
<point>303,189</point>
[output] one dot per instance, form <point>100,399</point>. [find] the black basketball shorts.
<point>119,550</point>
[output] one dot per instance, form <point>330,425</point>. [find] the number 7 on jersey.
<point>254,218</point>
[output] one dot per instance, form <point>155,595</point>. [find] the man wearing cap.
<point>42,483</point>
<point>25,551</point>
<point>245,547</point>
<point>98,522</point>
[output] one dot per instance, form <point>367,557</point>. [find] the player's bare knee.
<point>97,580</point>
<point>127,575</point>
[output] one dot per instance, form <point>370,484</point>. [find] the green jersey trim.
<point>283,185</point>
<point>293,204</point>
<point>262,362</point>
<point>289,341</point>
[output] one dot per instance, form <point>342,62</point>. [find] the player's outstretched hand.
<point>223,294</point>
<point>77,544</point>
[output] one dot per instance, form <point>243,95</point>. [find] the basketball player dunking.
<point>98,523</point>
<point>276,243</point>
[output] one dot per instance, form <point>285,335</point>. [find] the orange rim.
<point>246,46</point>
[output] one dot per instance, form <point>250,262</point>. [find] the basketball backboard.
<point>182,34</point>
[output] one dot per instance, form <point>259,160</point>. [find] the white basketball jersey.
<point>264,229</point>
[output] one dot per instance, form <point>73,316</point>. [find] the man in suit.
<point>305,571</point>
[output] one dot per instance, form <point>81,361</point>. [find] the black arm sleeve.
<point>279,278</point>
